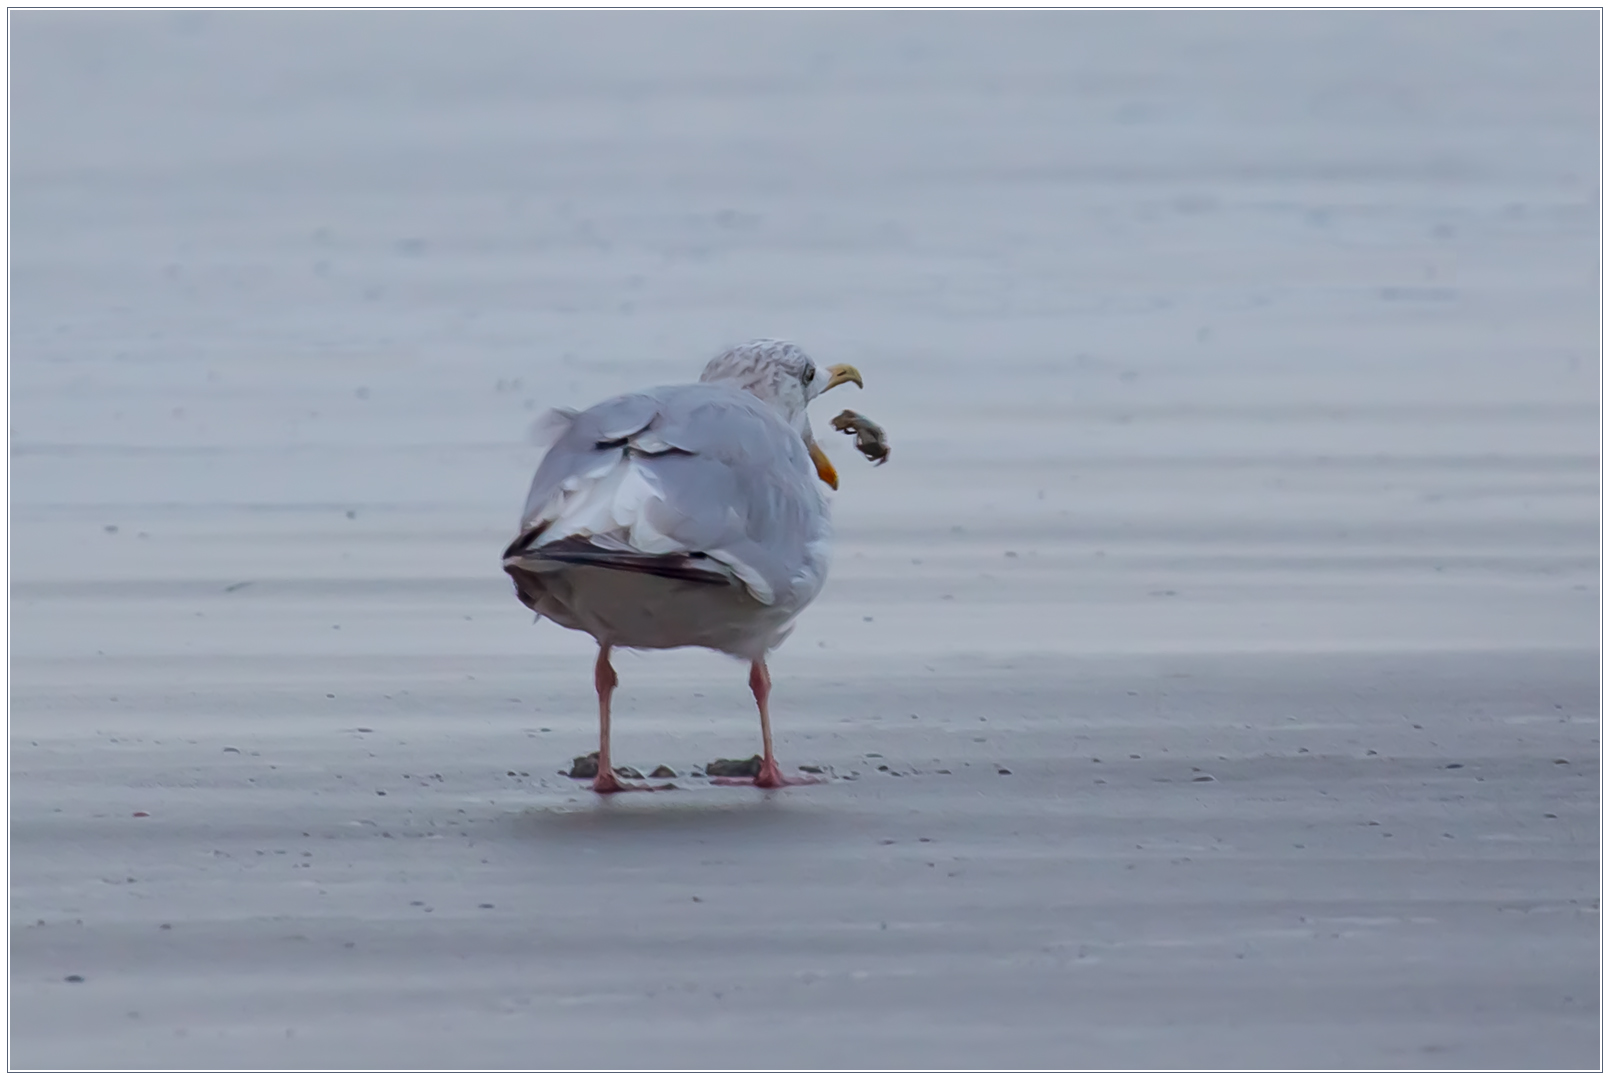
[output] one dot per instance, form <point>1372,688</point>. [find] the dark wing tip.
<point>523,541</point>
<point>579,551</point>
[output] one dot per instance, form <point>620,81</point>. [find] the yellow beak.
<point>842,373</point>
<point>824,467</point>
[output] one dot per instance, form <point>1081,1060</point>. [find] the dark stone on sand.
<point>625,772</point>
<point>584,767</point>
<point>811,769</point>
<point>733,767</point>
<point>663,772</point>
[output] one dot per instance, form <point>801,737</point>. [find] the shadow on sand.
<point>700,812</point>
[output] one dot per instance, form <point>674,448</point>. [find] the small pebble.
<point>584,767</point>
<point>74,978</point>
<point>810,768</point>
<point>626,772</point>
<point>1455,765</point>
<point>1004,772</point>
<point>663,772</point>
<point>486,905</point>
<point>734,767</point>
<point>1199,779</point>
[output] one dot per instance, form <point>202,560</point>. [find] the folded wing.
<point>700,482</point>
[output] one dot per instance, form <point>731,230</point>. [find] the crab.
<point>869,437</point>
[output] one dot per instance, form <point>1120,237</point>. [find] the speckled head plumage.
<point>780,374</point>
<point>777,372</point>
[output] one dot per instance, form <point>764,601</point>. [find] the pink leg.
<point>770,775</point>
<point>606,782</point>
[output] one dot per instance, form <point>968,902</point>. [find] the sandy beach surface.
<point>1209,680</point>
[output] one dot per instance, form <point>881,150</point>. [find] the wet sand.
<point>1209,680</point>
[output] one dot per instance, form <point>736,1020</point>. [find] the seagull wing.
<point>700,482</point>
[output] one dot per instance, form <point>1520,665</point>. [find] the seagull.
<point>684,515</point>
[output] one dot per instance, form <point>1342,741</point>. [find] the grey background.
<point>1242,376</point>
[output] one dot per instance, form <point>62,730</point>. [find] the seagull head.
<point>780,374</point>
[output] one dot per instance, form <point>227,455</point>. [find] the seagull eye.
<point>808,376</point>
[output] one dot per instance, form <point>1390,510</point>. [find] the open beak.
<point>824,467</point>
<point>841,373</point>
